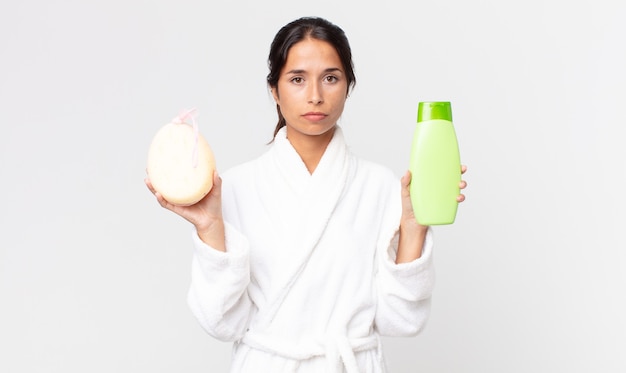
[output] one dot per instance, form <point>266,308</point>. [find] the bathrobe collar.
<point>302,201</point>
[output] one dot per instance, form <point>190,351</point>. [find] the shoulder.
<point>239,171</point>
<point>239,176</point>
<point>376,173</point>
<point>375,181</point>
<point>376,190</point>
<point>245,175</point>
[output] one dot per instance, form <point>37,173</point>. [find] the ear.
<point>275,94</point>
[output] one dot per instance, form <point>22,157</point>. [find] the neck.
<point>311,148</point>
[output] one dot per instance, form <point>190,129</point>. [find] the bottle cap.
<point>434,110</point>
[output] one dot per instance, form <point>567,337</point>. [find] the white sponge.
<point>180,164</point>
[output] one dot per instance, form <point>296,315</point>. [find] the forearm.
<point>218,294</point>
<point>410,242</point>
<point>213,235</point>
<point>404,290</point>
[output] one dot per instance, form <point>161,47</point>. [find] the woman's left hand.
<point>462,185</point>
<point>412,234</point>
<point>407,207</point>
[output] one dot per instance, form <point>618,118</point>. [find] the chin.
<point>312,129</point>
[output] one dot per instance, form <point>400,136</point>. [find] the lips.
<point>314,116</point>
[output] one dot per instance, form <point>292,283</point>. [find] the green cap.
<point>434,110</point>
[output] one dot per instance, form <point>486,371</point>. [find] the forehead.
<point>312,52</point>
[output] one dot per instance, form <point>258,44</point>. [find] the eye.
<point>297,80</point>
<point>330,79</point>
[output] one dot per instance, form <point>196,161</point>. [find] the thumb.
<point>405,181</point>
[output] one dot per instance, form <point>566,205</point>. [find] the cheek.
<point>339,100</point>
<point>291,96</point>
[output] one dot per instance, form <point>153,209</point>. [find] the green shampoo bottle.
<point>435,165</point>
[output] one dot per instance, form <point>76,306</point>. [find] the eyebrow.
<point>300,71</point>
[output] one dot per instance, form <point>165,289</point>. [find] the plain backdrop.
<point>94,274</point>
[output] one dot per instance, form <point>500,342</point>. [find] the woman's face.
<point>311,89</point>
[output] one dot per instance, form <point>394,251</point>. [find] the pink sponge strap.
<point>181,119</point>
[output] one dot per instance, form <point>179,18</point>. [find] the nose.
<point>315,94</point>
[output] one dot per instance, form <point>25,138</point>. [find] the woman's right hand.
<point>205,215</point>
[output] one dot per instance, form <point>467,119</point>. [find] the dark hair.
<point>298,30</point>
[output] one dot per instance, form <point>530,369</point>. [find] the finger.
<point>460,198</point>
<point>463,184</point>
<point>149,185</point>
<point>407,206</point>
<point>215,194</point>
<point>463,169</point>
<point>404,183</point>
<point>217,182</point>
<point>162,201</point>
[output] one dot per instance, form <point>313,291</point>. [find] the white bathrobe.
<point>308,282</point>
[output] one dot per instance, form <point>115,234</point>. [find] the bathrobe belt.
<point>339,350</point>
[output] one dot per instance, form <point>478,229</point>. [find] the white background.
<point>94,274</point>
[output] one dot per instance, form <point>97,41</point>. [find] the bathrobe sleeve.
<point>218,295</point>
<point>403,290</point>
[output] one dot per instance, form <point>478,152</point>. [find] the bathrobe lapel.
<point>300,204</point>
